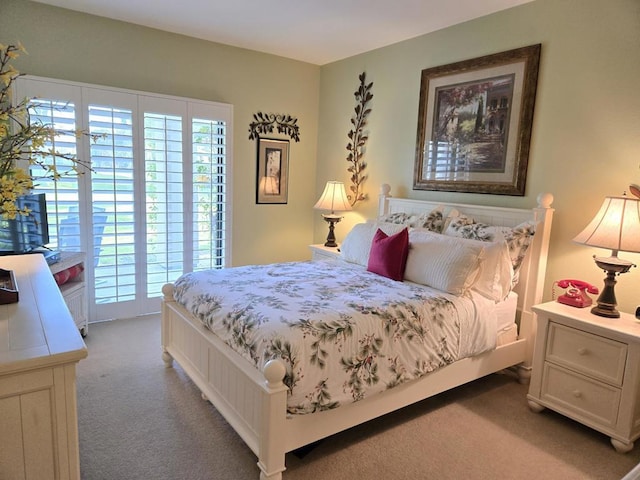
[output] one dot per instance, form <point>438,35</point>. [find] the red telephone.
<point>576,294</point>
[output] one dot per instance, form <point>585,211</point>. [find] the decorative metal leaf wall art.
<point>264,123</point>
<point>357,140</point>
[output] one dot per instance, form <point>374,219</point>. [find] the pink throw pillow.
<point>61,277</point>
<point>388,255</point>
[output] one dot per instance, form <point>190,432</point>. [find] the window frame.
<point>83,95</point>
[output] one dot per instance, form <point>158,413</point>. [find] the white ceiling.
<point>314,31</point>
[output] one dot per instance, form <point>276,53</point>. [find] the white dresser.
<point>587,367</point>
<point>39,348</point>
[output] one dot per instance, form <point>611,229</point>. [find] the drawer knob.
<point>582,351</point>
<point>577,393</point>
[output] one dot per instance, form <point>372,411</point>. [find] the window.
<point>155,203</point>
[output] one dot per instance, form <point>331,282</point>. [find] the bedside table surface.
<point>321,246</point>
<point>627,325</point>
<point>320,252</point>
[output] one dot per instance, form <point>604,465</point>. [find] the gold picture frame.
<point>474,123</point>
<point>272,185</point>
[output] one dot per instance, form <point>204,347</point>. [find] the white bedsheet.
<point>343,332</point>
<point>506,312</point>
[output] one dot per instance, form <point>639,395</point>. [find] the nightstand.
<point>325,254</point>
<point>587,368</point>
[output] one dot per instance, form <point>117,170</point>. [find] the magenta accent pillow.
<point>388,255</point>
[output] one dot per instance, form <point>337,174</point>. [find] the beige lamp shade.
<point>616,226</point>
<point>334,198</point>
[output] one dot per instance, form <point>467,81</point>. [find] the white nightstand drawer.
<point>581,396</point>
<point>596,356</point>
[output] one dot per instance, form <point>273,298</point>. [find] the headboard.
<point>532,273</point>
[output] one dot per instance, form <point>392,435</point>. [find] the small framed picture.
<point>273,171</point>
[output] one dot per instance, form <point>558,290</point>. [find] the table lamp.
<point>617,227</point>
<point>333,199</point>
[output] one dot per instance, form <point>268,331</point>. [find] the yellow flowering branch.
<point>24,139</point>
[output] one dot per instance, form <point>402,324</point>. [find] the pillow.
<point>68,274</point>
<point>494,279</point>
<point>433,220</point>
<point>388,255</point>
<point>357,244</point>
<point>518,238</point>
<point>61,277</point>
<point>447,263</point>
<point>453,213</point>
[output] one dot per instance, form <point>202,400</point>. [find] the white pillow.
<point>357,244</point>
<point>518,238</point>
<point>449,264</point>
<point>494,279</point>
<point>496,271</point>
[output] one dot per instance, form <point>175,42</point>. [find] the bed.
<point>255,394</point>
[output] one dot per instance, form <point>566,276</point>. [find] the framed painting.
<point>474,123</point>
<point>273,171</point>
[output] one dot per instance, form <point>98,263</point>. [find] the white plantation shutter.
<point>113,204</point>
<point>156,203</point>
<point>209,188</point>
<point>164,199</point>
<point>62,195</point>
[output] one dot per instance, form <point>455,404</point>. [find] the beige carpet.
<point>138,420</point>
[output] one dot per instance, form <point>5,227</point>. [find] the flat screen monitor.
<point>26,232</point>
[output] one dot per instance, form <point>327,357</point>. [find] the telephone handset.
<point>576,293</point>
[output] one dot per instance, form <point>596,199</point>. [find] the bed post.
<point>534,286</point>
<point>167,292</point>
<point>383,199</point>
<point>273,432</point>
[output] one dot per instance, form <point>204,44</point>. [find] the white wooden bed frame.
<point>255,403</point>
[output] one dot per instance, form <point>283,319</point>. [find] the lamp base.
<point>604,310</point>
<point>606,303</point>
<point>331,220</point>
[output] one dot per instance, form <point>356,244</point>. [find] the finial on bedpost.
<point>545,200</point>
<point>167,291</point>
<point>274,372</point>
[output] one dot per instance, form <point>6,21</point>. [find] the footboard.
<point>254,404</point>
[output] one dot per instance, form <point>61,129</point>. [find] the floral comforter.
<point>344,333</point>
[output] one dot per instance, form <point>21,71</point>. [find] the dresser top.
<point>38,330</point>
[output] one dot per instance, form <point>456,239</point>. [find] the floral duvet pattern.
<point>344,333</point>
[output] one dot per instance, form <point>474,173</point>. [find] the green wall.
<point>85,48</point>
<point>586,132</point>
<point>585,140</point>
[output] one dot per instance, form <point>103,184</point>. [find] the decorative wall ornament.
<point>358,139</point>
<point>264,123</point>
